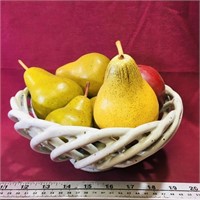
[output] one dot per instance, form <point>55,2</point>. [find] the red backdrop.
<point>49,34</point>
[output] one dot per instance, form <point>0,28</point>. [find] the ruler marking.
<point>100,190</point>
<point>138,189</point>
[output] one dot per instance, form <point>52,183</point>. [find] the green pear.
<point>78,112</point>
<point>90,67</point>
<point>125,99</point>
<point>48,92</point>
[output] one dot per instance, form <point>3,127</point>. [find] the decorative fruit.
<point>93,99</point>
<point>78,112</point>
<point>125,99</point>
<point>155,80</point>
<point>48,92</point>
<point>88,68</point>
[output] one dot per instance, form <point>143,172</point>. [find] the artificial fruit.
<point>88,68</point>
<point>78,112</point>
<point>125,99</point>
<point>155,80</point>
<point>48,92</point>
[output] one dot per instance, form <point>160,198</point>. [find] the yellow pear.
<point>125,99</point>
<point>93,99</point>
<point>90,67</point>
<point>48,92</point>
<point>78,112</point>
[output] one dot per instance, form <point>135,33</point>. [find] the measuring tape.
<point>98,190</point>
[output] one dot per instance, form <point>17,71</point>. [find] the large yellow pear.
<point>90,67</point>
<point>125,99</point>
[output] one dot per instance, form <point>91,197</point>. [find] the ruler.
<point>99,190</point>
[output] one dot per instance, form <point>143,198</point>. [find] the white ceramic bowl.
<point>93,149</point>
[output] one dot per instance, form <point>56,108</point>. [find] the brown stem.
<point>119,49</point>
<point>87,89</point>
<point>22,64</point>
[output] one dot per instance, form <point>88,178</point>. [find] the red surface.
<point>49,34</point>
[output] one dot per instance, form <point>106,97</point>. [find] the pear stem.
<point>87,89</point>
<point>22,64</point>
<point>119,49</point>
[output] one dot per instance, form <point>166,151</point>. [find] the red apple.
<point>155,80</point>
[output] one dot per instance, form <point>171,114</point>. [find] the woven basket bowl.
<point>93,149</point>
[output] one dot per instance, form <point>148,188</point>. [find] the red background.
<point>49,34</point>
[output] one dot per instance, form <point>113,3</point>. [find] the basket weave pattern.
<point>93,149</point>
